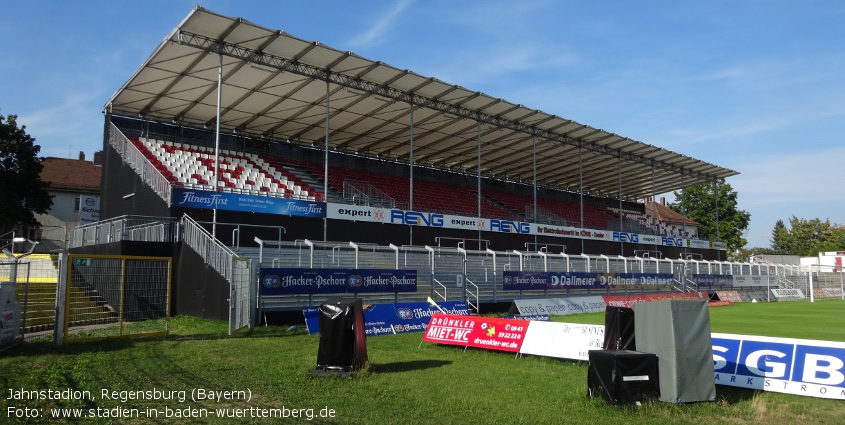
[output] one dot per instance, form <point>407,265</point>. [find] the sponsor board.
<point>713,281</point>
<point>832,292</point>
<point>731,296</point>
<point>559,306</point>
<point>562,340</point>
<point>381,319</point>
<point>287,281</point>
<point>788,294</point>
<point>532,317</point>
<point>792,366</point>
<point>10,316</point>
<point>204,199</point>
<point>519,281</point>
<point>747,281</point>
<point>629,300</point>
<point>479,332</point>
<point>89,209</point>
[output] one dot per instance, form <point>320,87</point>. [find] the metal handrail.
<point>442,286</point>
<point>468,293</point>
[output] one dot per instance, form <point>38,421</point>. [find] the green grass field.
<point>404,383</point>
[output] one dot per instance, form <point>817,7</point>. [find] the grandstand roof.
<point>274,86</point>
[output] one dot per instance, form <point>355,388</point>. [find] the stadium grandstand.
<point>233,142</point>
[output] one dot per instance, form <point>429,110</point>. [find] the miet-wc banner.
<point>290,281</point>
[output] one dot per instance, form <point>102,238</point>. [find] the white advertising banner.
<point>745,281</point>
<point>562,340</point>
<point>793,366</point>
<point>788,294</point>
<point>446,221</point>
<point>561,306</point>
<point>89,209</point>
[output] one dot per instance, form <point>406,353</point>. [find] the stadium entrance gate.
<point>27,298</point>
<point>105,296</point>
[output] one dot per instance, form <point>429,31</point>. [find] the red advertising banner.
<point>479,332</point>
<point>630,300</point>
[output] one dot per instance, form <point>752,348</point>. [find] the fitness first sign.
<point>793,366</point>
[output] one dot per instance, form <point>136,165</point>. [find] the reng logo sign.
<point>414,218</point>
<point>802,367</point>
<point>626,237</point>
<point>506,226</point>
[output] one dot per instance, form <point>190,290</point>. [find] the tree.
<point>808,237</point>
<point>780,234</point>
<point>714,207</point>
<point>22,192</point>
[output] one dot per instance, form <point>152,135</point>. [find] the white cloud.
<point>376,32</point>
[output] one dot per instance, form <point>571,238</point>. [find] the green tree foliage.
<point>22,192</point>
<point>807,237</point>
<point>714,206</point>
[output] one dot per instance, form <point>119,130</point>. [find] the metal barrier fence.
<point>138,162</point>
<point>126,228</point>
<point>113,296</point>
<point>27,298</point>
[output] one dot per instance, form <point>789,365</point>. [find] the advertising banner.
<point>713,281</point>
<point>731,296</point>
<point>89,209</point>
<point>479,332</point>
<point>559,306</point>
<point>792,366</point>
<point>788,294</point>
<point>562,340</point>
<point>381,319</point>
<point>523,281</point>
<point>748,281</point>
<point>288,281</point>
<point>630,300</point>
<point>190,198</point>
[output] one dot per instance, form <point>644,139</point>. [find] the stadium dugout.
<point>259,136</point>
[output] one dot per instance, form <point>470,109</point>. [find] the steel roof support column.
<point>217,142</point>
<point>534,171</point>
<point>581,191</point>
<point>684,214</point>
<point>478,183</point>
<point>621,229</point>
<point>654,203</point>
<point>718,236</point>
<point>411,170</point>
<point>326,164</point>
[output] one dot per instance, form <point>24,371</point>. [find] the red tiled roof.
<point>71,174</point>
<point>665,214</point>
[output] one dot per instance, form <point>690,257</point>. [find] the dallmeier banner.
<point>189,198</point>
<point>784,365</point>
<point>524,281</point>
<point>289,281</point>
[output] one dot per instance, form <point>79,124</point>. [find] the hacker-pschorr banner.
<point>289,281</point>
<point>792,366</point>
<point>524,281</point>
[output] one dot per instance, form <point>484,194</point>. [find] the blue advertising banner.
<point>713,281</point>
<point>792,366</point>
<point>190,198</point>
<point>292,281</point>
<point>523,281</point>
<point>381,319</point>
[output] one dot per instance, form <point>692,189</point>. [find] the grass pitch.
<point>405,383</point>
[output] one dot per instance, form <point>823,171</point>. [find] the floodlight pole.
<point>326,164</point>
<point>411,175</point>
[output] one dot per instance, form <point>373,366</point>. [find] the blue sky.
<point>754,86</point>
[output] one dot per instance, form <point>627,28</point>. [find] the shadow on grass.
<point>407,366</point>
<point>732,395</point>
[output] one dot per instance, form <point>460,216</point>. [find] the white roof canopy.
<point>274,85</point>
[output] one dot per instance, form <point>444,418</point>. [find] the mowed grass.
<point>405,383</point>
